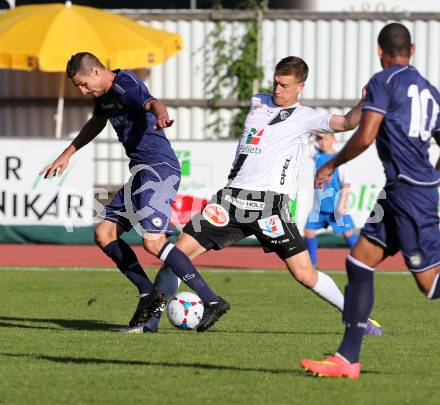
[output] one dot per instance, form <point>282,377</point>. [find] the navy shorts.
<point>146,199</point>
<point>409,223</point>
<point>321,220</point>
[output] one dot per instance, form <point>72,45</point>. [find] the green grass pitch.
<point>59,343</point>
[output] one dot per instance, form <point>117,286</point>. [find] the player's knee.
<point>97,237</point>
<point>153,246</point>
<point>308,280</point>
<point>308,233</point>
<point>425,290</point>
<point>347,234</point>
<point>305,276</point>
<point>428,283</point>
<point>188,245</point>
<point>432,293</point>
<point>103,236</point>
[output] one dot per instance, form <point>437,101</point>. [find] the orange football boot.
<point>332,366</point>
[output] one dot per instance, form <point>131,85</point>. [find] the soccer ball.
<point>185,310</point>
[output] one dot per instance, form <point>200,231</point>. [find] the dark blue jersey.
<point>410,105</point>
<point>124,106</point>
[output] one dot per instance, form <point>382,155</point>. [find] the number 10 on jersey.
<point>424,111</point>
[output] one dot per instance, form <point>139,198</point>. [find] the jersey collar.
<point>273,105</point>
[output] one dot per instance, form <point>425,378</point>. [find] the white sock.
<point>327,289</point>
<point>168,283</point>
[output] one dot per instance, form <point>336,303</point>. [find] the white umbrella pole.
<point>60,108</point>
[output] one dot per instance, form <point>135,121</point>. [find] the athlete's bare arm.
<point>160,112</point>
<point>349,121</point>
<point>361,140</point>
<point>89,131</point>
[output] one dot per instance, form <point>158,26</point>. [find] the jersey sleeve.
<point>319,122</point>
<point>378,97</point>
<point>137,96</point>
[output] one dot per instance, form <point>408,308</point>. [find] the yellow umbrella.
<point>45,36</point>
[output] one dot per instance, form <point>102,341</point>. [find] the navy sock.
<point>435,289</point>
<point>359,298</point>
<point>351,240</point>
<point>312,247</point>
<point>185,270</point>
<point>127,262</point>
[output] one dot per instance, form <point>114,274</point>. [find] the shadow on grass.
<point>96,325</point>
<point>195,366</point>
<point>274,332</point>
<point>75,324</point>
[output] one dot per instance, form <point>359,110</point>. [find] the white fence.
<point>340,50</point>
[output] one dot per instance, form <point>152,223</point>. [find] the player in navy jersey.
<point>329,205</point>
<point>401,112</point>
<point>145,201</point>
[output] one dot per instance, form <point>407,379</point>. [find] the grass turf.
<point>59,343</point>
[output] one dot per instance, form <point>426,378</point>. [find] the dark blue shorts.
<point>321,220</point>
<point>409,223</point>
<point>146,199</point>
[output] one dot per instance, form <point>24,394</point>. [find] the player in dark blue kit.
<point>401,112</point>
<point>329,205</point>
<point>145,201</point>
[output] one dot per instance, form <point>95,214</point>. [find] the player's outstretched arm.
<point>349,121</point>
<point>160,112</point>
<point>360,141</point>
<point>89,131</point>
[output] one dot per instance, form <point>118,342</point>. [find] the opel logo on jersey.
<point>284,170</point>
<point>282,115</point>
<point>216,215</point>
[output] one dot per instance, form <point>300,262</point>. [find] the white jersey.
<point>272,145</point>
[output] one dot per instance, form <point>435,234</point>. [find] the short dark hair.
<point>395,40</point>
<point>292,66</point>
<point>81,62</point>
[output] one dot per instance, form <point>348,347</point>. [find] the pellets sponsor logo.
<point>247,149</point>
<point>254,136</point>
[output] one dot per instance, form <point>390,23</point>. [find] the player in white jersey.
<point>273,142</point>
<point>263,180</point>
